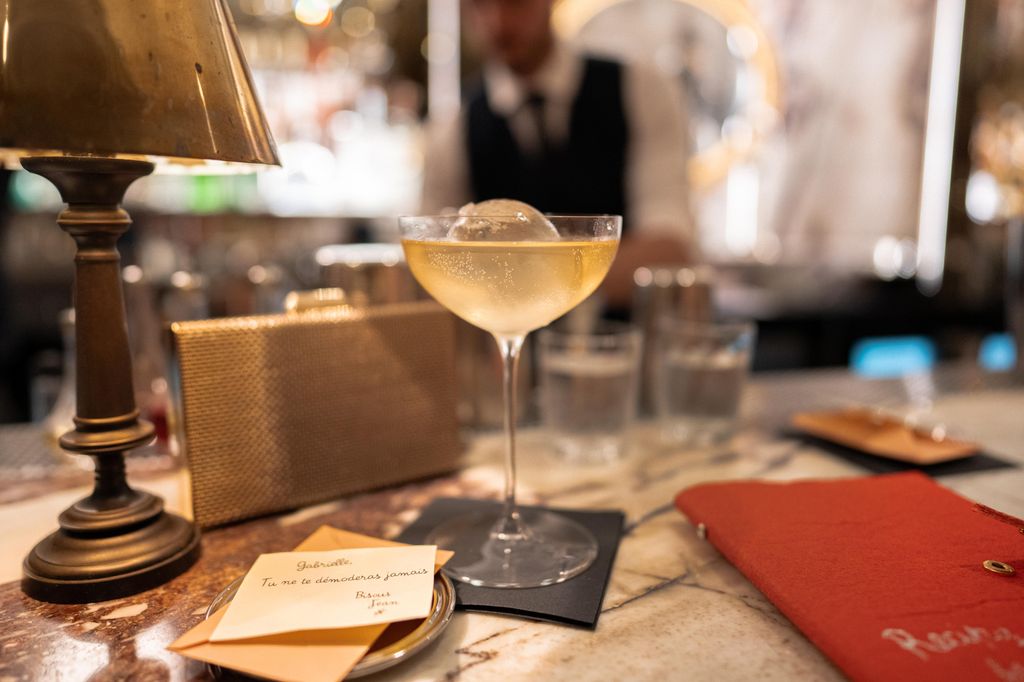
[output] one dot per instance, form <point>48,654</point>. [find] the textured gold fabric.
<point>281,411</point>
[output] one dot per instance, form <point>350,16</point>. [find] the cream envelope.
<point>313,656</point>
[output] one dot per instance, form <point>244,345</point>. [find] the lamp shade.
<point>155,79</point>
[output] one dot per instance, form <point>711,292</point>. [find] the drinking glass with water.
<point>589,390</point>
<point>702,368</point>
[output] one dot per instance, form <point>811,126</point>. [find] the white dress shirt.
<point>658,147</point>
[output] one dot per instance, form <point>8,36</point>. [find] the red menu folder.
<point>884,574</point>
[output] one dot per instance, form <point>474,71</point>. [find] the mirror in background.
<point>715,49</point>
<point>820,110</point>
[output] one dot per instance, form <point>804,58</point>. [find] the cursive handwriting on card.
<point>296,591</point>
<point>275,582</point>
<point>302,565</point>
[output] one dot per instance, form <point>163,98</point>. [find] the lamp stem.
<point>109,482</point>
<point>105,397</point>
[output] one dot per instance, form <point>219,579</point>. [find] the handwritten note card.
<point>297,591</point>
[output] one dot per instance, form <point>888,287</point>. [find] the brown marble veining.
<point>126,638</point>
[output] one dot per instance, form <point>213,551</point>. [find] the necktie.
<point>535,105</point>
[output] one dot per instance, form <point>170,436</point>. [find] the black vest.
<point>585,173</point>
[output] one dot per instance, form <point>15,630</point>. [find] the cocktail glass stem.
<point>510,526</point>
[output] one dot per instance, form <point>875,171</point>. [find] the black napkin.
<point>883,465</point>
<point>577,601</point>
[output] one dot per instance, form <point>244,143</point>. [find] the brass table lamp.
<point>95,94</point>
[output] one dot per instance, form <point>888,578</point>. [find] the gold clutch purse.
<point>281,411</point>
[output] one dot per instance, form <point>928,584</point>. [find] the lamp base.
<point>74,568</point>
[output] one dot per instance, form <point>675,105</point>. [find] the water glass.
<point>588,384</point>
<point>702,368</point>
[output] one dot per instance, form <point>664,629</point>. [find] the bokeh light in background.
<point>895,258</point>
<point>313,12</point>
<point>998,353</point>
<point>305,182</point>
<point>33,192</point>
<point>895,356</point>
<point>984,198</point>
<point>357,22</point>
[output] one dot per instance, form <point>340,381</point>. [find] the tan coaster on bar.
<point>884,436</point>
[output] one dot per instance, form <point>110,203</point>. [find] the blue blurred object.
<point>892,356</point>
<point>998,352</point>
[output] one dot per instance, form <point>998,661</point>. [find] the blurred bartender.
<point>567,133</point>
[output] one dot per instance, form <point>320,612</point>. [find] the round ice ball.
<point>502,220</point>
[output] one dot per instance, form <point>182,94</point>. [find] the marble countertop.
<point>674,608</point>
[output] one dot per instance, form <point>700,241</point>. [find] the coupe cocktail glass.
<point>510,286</point>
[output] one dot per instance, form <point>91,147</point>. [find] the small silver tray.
<point>398,642</point>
